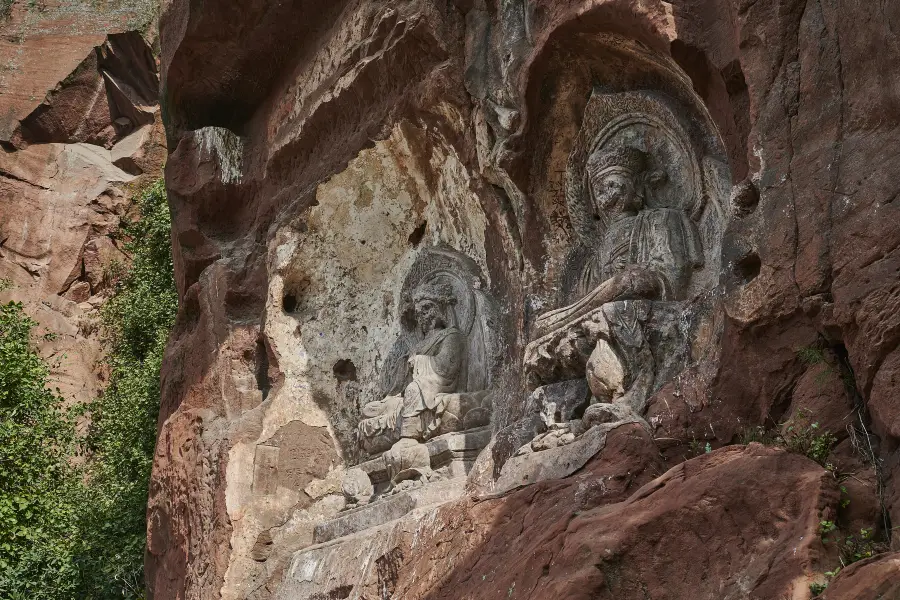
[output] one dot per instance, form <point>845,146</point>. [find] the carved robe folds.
<point>638,202</point>
<point>643,257</point>
<point>663,241</point>
<point>435,364</point>
<point>435,378</point>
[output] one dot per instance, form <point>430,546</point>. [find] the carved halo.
<point>440,266</point>
<point>643,121</point>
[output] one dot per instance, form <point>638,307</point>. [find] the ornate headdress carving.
<point>622,159</point>
<point>453,281</point>
<point>633,133</point>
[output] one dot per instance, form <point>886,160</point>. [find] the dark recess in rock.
<point>262,368</point>
<point>344,370</point>
<point>744,198</point>
<point>747,269</point>
<point>338,593</point>
<point>415,238</point>
<point>289,303</point>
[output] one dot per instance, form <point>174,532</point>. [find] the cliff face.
<point>702,190</point>
<point>80,132</point>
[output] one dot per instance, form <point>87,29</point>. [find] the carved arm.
<point>633,283</point>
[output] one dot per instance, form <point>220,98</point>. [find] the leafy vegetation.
<point>859,546</point>
<point>76,528</point>
<point>697,447</point>
<point>136,323</point>
<point>830,363</point>
<point>852,548</point>
<point>802,437</point>
<point>798,436</point>
<point>809,440</point>
<point>5,9</point>
<point>39,487</point>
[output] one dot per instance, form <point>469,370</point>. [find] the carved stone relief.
<point>643,200</point>
<point>435,381</point>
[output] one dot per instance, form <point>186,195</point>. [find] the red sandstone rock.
<point>873,579</point>
<point>647,544</point>
<point>78,292</point>
<point>52,89</point>
<point>883,403</point>
<point>739,522</point>
<point>61,197</point>
<point>270,107</point>
<point>821,398</point>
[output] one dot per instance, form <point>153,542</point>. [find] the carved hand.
<point>638,282</point>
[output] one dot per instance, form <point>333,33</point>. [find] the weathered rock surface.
<point>318,151</point>
<point>868,580</point>
<point>72,68</point>
<point>71,75</point>
<point>578,538</point>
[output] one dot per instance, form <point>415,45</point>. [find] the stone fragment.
<point>78,292</point>
<point>99,256</point>
<point>263,547</point>
<point>514,437</point>
<point>318,488</point>
<point>562,400</point>
<point>557,459</point>
<point>609,412</point>
<point>125,152</point>
<point>357,487</point>
<point>407,459</point>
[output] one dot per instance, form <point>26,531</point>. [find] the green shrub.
<point>78,532</point>
<point>811,355</point>
<point>5,9</point>
<point>761,435</point>
<point>859,546</point>
<point>810,440</point>
<point>40,489</point>
<point>136,323</point>
<point>807,439</point>
<point>853,548</point>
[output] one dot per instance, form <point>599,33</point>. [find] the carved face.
<point>429,315</point>
<point>615,192</point>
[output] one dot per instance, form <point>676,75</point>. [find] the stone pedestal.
<point>452,455</point>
